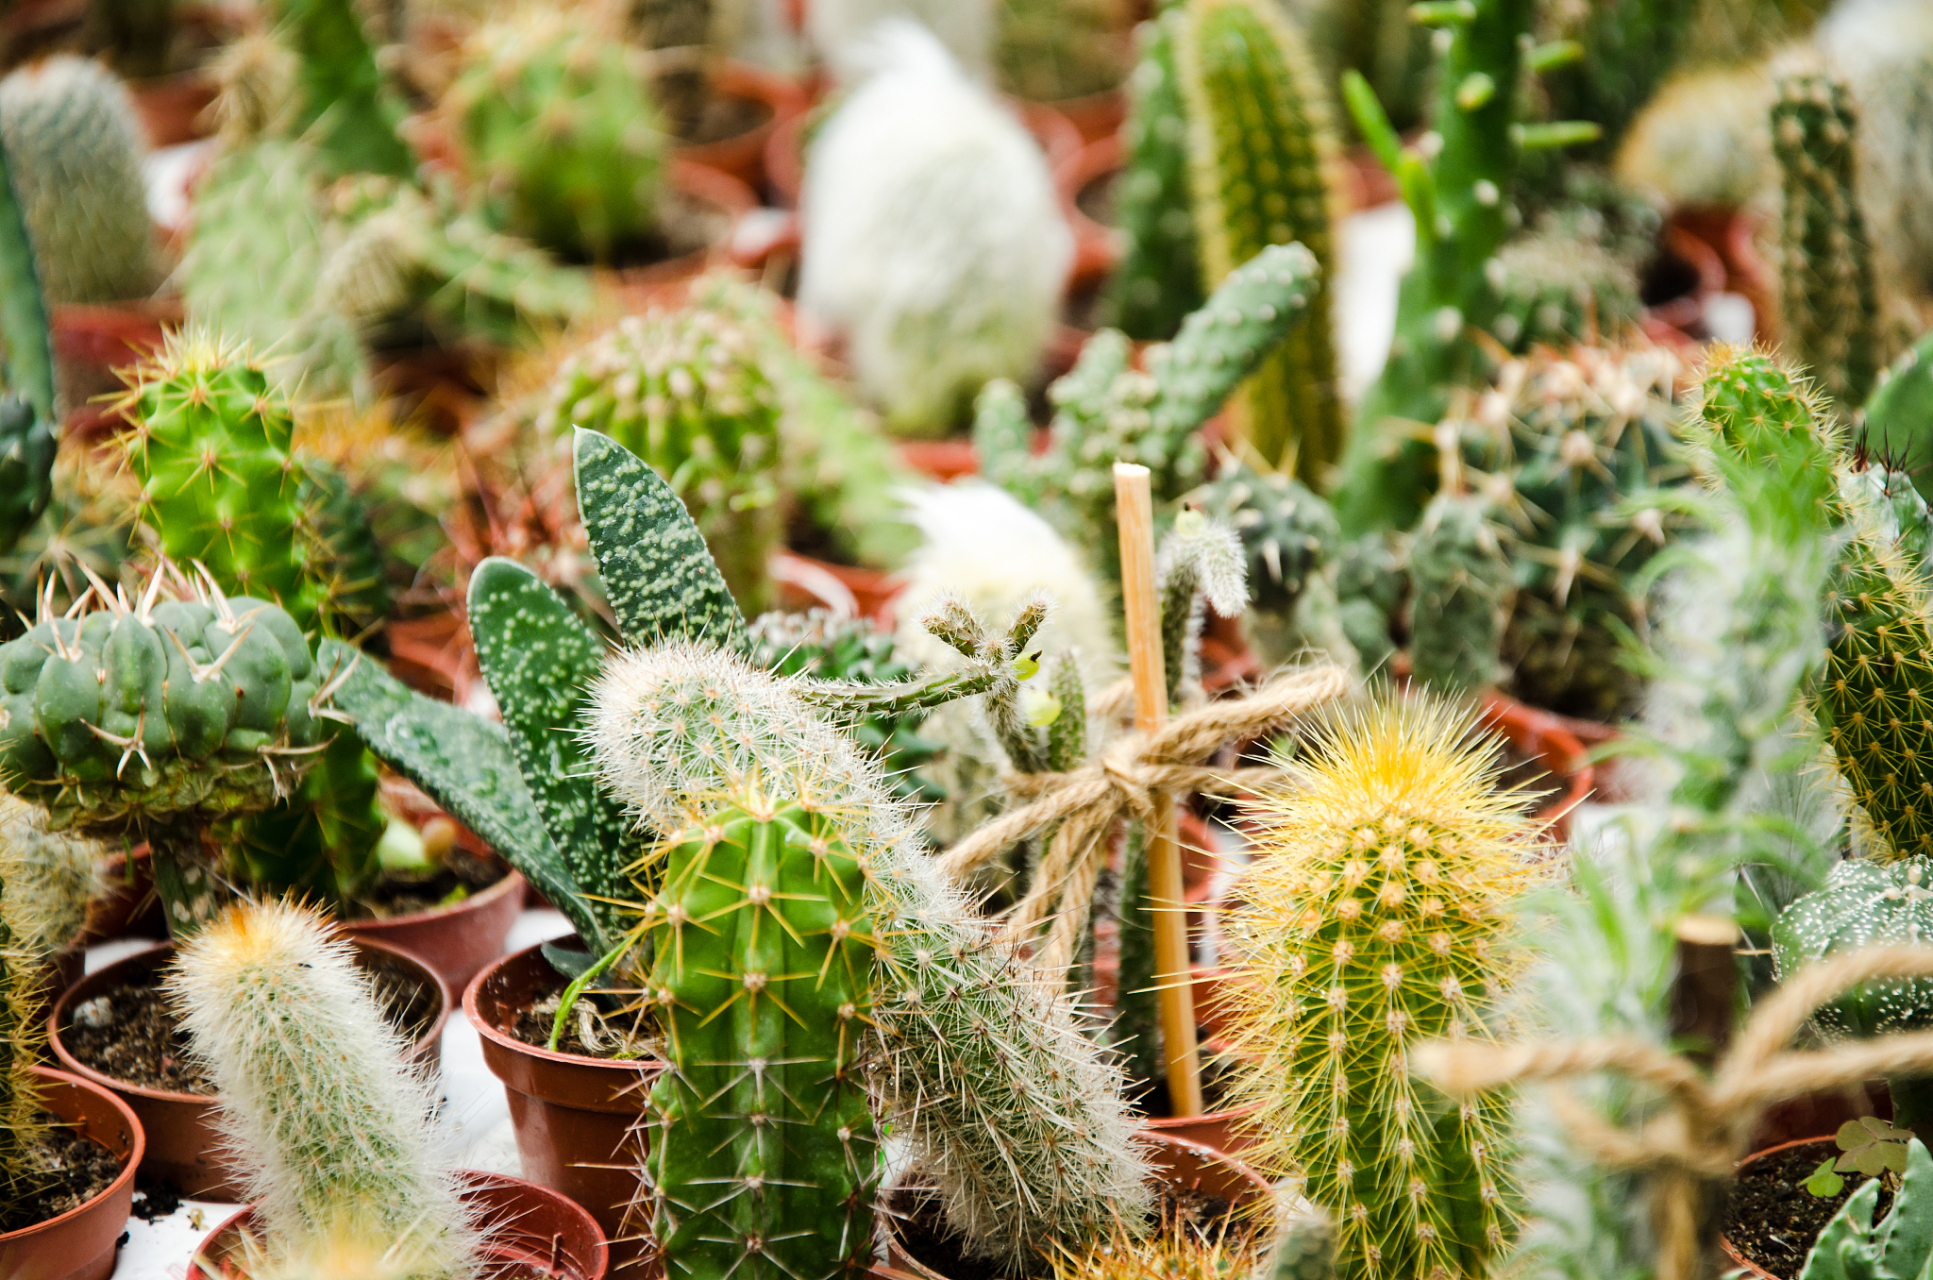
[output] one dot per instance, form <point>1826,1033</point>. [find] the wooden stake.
<point>1173,982</point>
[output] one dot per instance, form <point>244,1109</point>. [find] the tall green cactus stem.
<point>1459,184</point>
<point>343,98</point>
<point>1866,904</point>
<point>763,1154</point>
<point>1897,1247</point>
<point>1630,46</point>
<point>1258,146</point>
<point>1200,566</point>
<point>1105,410</point>
<point>684,391</point>
<point>332,1127</point>
<point>1460,583</point>
<point>29,419</point>
<point>1159,280</point>
<point>558,126</point>
<point>1830,295</point>
<point>75,146</point>
<point>1378,916</point>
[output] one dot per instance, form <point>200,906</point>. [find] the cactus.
<point>1702,141</point>
<point>1562,285</point>
<point>763,1154</point>
<point>1378,915</point>
<point>1897,412</point>
<point>1159,280</point>
<point>1183,1255</point>
<point>1105,410</point>
<point>1258,146</point>
<point>1200,566</point>
<point>557,126</point>
<point>1288,534</point>
<point>75,148</point>
<point>843,32</point>
<point>1854,1247</point>
<point>684,391</point>
<point>331,1128</point>
<point>352,558</point>
<point>1460,187</point>
<point>1460,583</point>
<point>1049,50</point>
<point>344,102</point>
<point>1830,296</point>
<point>29,416</point>
<point>1377,39</point>
<point>934,240</point>
<point>1629,47</point>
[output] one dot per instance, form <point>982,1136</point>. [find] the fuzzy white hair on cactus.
<point>934,241</point>
<point>841,31</point>
<point>330,1124</point>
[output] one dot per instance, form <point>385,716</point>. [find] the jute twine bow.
<point>1084,805</point>
<point>1690,1148</point>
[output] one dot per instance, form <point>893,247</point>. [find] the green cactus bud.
<point>1258,145</point>
<point>557,125</point>
<point>1200,566</point>
<point>1830,300</point>
<point>684,391</point>
<point>332,1129</point>
<point>343,99</point>
<point>1460,584</point>
<point>75,148</point>
<point>1377,916</point>
<point>1159,280</point>
<point>1897,1247</point>
<point>763,1155</point>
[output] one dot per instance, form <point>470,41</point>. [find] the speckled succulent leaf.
<point>763,1153</point>
<point>540,660</point>
<point>1897,1247</point>
<point>342,89</point>
<point>464,763</point>
<point>1460,582</point>
<point>661,581</point>
<point>1864,903</point>
<point>1159,279</point>
<point>1258,145</point>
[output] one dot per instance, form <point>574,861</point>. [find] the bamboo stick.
<point>1173,983</point>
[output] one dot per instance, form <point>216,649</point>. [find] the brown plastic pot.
<point>525,1228</point>
<point>81,1243</point>
<point>576,1118</point>
<point>1543,735</point>
<point>1750,1268</point>
<point>456,941</point>
<point>127,906</point>
<point>183,1143</point>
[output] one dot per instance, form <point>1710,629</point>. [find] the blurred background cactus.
<point>344,104</point>
<point>1461,591</point>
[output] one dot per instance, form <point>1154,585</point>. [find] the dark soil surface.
<point>155,1198</point>
<point>727,117</point>
<point>1097,198</point>
<point>128,1032</point>
<point>1772,1219</point>
<point>1539,786</point>
<point>924,1235</point>
<point>398,894</point>
<point>76,1169</point>
<point>615,1037</point>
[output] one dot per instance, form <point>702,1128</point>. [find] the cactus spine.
<point>75,146</point>
<point>1378,916</point>
<point>1258,146</point>
<point>1460,583</point>
<point>341,89</point>
<point>1159,280</point>
<point>332,1128</point>
<point>1830,296</point>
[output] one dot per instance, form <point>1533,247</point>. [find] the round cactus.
<point>1287,532</point>
<point>559,129</point>
<point>1460,595</point>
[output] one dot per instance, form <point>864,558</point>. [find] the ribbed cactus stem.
<point>763,1158</point>
<point>1377,916</point>
<point>1158,282</point>
<point>1259,146</point>
<point>342,89</point>
<point>331,1127</point>
<point>1831,301</point>
<point>1898,428</point>
<point>29,418</point>
<point>1460,585</point>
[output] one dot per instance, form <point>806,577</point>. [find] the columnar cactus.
<point>331,1127</point>
<point>29,416</point>
<point>1830,296</point>
<point>342,90</point>
<point>1629,48</point>
<point>1377,916</point>
<point>684,390</point>
<point>1258,147</point>
<point>1854,1247</point>
<point>1159,280</point>
<point>559,129</point>
<point>1460,589</point>
<point>763,1153</point>
<point>75,147</point>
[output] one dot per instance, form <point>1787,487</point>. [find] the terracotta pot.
<point>1730,238</point>
<point>743,155</point>
<point>576,1118</point>
<point>174,108</point>
<point>1182,1161</point>
<point>1541,734</point>
<point>456,941</point>
<point>944,460</point>
<point>90,343</point>
<point>846,589</point>
<point>128,906</point>
<point>525,1228</point>
<point>1750,1268</point>
<point>183,1145</point>
<point>1097,248</point>
<point>1093,115</point>
<point>729,199</point>
<point>81,1243</point>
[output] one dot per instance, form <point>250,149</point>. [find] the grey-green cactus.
<point>1897,1247</point>
<point>1159,280</point>
<point>1288,533</point>
<point>1199,566</point>
<point>1460,584</point>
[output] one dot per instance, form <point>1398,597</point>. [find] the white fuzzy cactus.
<point>934,240</point>
<point>840,29</point>
<point>330,1124</point>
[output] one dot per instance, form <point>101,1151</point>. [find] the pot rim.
<point>137,1148</point>
<point>475,902</point>
<point>71,1065</point>
<point>1724,1241</point>
<point>498,1036</point>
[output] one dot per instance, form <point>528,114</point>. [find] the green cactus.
<point>1897,1247</point>
<point>75,148</point>
<point>1108,411</point>
<point>1460,591</point>
<point>1288,534</point>
<point>1379,915</point>
<point>684,391</point>
<point>344,102</point>
<point>1200,566</point>
<point>352,558</point>
<point>1898,412</point>
<point>1049,50</point>
<point>1377,39</point>
<point>558,127</point>
<point>1629,47</point>
<point>1830,295</point>
<point>763,1155</point>
<point>1460,187</point>
<point>1867,904</point>
<point>29,417</point>
<point>1159,280</point>
<point>1258,145</point>
<point>332,1129</point>
<point>1562,285</point>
